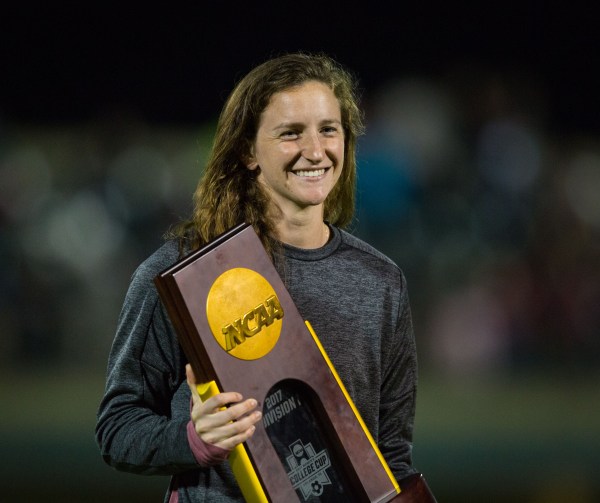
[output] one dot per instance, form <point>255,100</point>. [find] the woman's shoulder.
<point>162,258</point>
<point>361,247</point>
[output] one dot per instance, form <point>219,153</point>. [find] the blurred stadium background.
<point>479,174</point>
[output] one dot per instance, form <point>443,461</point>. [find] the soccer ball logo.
<point>317,488</point>
<point>308,469</point>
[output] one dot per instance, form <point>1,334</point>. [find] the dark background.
<point>478,175</point>
<point>75,62</point>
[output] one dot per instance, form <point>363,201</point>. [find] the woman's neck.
<point>303,231</point>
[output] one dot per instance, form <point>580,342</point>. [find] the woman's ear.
<point>250,160</point>
<point>251,164</point>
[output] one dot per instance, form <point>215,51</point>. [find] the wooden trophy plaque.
<point>241,331</point>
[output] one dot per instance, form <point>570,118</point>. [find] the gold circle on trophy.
<point>244,313</point>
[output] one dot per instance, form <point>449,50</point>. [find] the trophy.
<point>241,331</point>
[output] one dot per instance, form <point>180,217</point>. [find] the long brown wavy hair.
<point>228,193</point>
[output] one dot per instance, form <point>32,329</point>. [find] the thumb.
<point>191,380</point>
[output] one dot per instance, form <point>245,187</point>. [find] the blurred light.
<point>417,118</point>
<point>139,181</point>
<point>582,186</point>
<point>509,156</point>
<point>78,233</point>
<point>25,182</point>
<point>469,331</point>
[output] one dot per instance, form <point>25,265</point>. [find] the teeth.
<point>317,172</point>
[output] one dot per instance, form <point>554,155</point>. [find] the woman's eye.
<point>288,135</point>
<point>329,130</point>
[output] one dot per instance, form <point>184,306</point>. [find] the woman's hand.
<point>224,420</point>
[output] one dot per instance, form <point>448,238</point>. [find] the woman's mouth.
<point>309,172</point>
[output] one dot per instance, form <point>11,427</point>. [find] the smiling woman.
<point>284,161</point>
<point>261,96</point>
<point>299,155</point>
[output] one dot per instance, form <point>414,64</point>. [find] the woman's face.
<point>299,147</point>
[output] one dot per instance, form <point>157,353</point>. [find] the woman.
<point>283,160</point>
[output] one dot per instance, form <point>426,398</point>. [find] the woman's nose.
<point>312,149</point>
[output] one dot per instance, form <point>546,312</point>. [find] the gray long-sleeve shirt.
<point>357,302</point>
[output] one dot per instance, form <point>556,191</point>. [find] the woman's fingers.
<point>212,414</point>
<point>213,404</point>
<point>231,442</point>
<point>233,433</point>
<point>224,420</point>
<point>229,402</point>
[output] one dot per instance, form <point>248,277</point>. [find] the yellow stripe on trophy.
<point>239,460</point>
<point>358,417</point>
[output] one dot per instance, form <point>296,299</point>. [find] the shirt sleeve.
<point>205,454</point>
<point>138,429</point>
<point>398,393</point>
